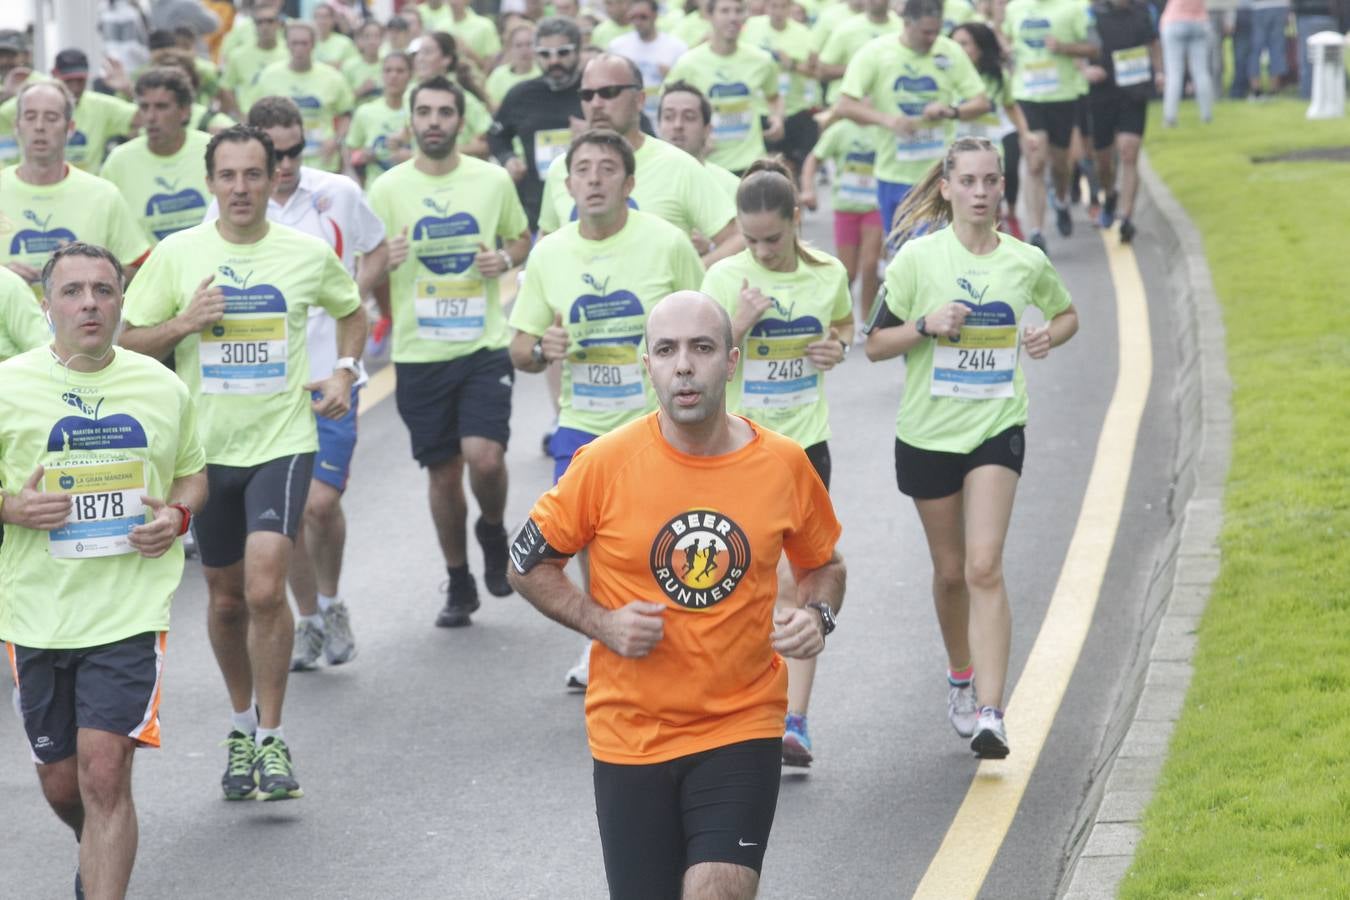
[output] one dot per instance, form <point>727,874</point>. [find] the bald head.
<point>684,311</point>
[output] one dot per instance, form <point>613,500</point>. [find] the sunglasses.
<point>290,152</point>
<point>608,92</point>
<point>265,21</point>
<point>562,52</point>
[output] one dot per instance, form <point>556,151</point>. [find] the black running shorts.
<point>1056,119</point>
<point>441,402</point>
<point>1116,113</point>
<point>658,820</point>
<point>243,499</point>
<point>930,474</point>
<point>113,687</point>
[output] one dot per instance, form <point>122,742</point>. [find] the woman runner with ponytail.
<point>792,317</point>
<point>954,300</point>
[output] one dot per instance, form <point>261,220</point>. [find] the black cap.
<point>71,63</point>
<point>13,41</point>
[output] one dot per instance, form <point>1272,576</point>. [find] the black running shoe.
<point>1126,231</point>
<point>492,538</point>
<point>461,601</point>
<point>275,772</point>
<point>1038,241</point>
<point>237,782</point>
<point>1063,219</point>
<point>79,885</point>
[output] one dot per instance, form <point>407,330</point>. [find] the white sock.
<point>316,620</point>
<point>245,722</point>
<point>325,602</point>
<point>265,733</point>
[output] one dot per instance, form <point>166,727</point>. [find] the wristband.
<point>187,517</point>
<point>506,259</point>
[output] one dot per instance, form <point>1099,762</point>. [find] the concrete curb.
<point>1152,692</point>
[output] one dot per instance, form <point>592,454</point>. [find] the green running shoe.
<point>238,783</point>
<point>274,772</point>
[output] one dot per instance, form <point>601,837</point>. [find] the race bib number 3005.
<point>244,355</point>
<point>105,506</point>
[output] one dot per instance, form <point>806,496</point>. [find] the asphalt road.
<point>454,764</point>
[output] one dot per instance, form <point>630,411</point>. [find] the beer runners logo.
<point>699,557</point>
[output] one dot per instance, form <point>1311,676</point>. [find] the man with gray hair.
<point>542,112</point>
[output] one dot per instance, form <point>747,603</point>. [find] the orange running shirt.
<point>703,536</point>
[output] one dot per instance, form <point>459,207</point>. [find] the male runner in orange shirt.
<point>688,689</point>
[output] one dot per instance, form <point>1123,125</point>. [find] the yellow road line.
<point>973,840</point>
<point>380,386</point>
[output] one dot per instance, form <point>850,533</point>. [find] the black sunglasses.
<point>608,92</point>
<point>290,152</point>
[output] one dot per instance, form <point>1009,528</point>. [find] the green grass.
<point>1254,800</point>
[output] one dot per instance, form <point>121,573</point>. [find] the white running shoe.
<point>991,740</point>
<point>339,644</point>
<point>308,646</point>
<point>962,710</point>
<point>580,675</point>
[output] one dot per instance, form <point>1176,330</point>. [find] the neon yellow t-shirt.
<point>775,384</point>
<point>246,371</point>
<point>852,35</point>
<point>168,193</point>
<point>827,21</point>
<point>1040,76</point>
<point>36,219</point>
<point>107,437</point>
<point>853,150</point>
<point>200,120</point>
<point>604,300</point>
<point>322,95</point>
<point>957,12</point>
<point>669,184</point>
<point>373,126</point>
<point>336,50</point>
<point>98,117</point>
<point>438,19</point>
<point>357,72</point>
<point>443,307</point>
<point>725,179</point>
<point>739,88</point>
<point>503,79</point>
<point>934,270</point>
<point>22,326</point>
<point>607,31</point>
<point>993,125</point>
<point>244,68</point>
<point>693,28</point>
<point>243,33</point>
<point>793,42</point>
<point>945,75</point>
<point>477,33</point>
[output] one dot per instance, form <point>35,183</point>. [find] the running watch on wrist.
<point>187,517</point>
<point>348,363</point>
<point>826,615</point>
<point>537,352</point>
<point>845,346</point>
<point>921,326</point>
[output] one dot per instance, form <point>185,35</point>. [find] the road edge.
<point>1135,744</point>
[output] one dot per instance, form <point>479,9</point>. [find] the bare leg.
<point>108,844</point>
<point>1061,169</point>
<point>945,530</point>
<point>848,255</point>
<point>486,461</point>
<point>1128,147</point>
<point>720,881</point>
<point>227,627</point>
<point>989,492</point>
<point>1034,193</point>
<point>301,575</point>
<point>869,255</point>
<point>449,509</point>
<point>271,629</point>
<point>1106,168</point>
<point>61,786</point>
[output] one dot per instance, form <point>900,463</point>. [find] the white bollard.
<point>1326,56</point>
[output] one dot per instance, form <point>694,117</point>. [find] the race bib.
<point>1040,78</point>
<point>777,373</point>
<point>607,378</point>
<point>1132,66</point>
<point>313,143</point>
<point>978,365</point>
<point>923,145</point>
<point>991,130</point>
<point>857,183</point>
<point>244,355</point>
<point>731,119</point>
<point>105,506</point>
<point>548,146</point>
<point>451,309</point>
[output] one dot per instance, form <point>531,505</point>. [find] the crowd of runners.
<point>201,241</point>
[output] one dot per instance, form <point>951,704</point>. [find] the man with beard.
<point>447,212</point>
<point>541,112</point>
